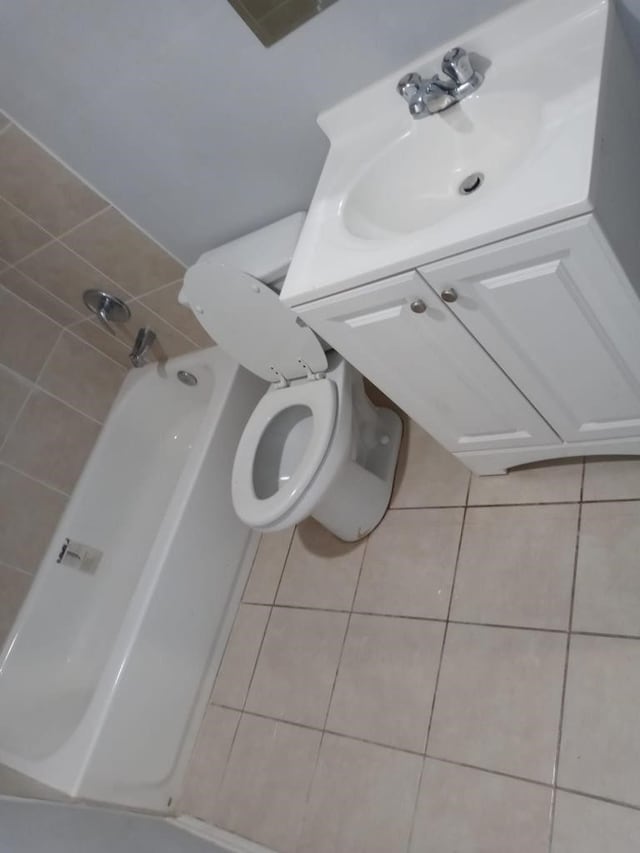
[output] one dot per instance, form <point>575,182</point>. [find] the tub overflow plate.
<point>187,378</point>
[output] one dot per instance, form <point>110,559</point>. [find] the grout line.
<point>70,330</point>
<point>48,293</point>
<point>33,479</point>
<point>15,568</point>
<point>73,228</point>
<point>500,773</point>
<point>563,693</point>
<point>32,307</point>
<point>33,222</point>
<point>621,803</point>
<point>14,264</point>
<point>439,670</point>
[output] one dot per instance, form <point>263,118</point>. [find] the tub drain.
<point>471,183</point>
<point>187,378</point>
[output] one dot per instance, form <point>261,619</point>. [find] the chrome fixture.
<point>418,306</point>
<point>435,94</point>
<point>187,378</point>
<point>143,343</point>
<point>449,295</point>
<point>109,309</point>
<point>471,183</point>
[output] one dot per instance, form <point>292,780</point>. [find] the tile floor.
<point>465,681</point>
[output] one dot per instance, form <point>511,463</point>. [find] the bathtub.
<point>107,670</point>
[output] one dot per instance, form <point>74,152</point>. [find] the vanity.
<point>482,265</point>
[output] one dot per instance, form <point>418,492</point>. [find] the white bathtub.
<point>105,675</point>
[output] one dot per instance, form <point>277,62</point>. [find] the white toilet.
<point>315,445</point>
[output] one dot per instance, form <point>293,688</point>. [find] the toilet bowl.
<point>314,445</point>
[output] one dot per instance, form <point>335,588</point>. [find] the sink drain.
<point>471,183</point>
<point>187,378</point>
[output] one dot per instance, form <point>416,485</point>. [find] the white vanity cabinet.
<point>398,333</point>
<point>559,316</point>
<point>522,350</point>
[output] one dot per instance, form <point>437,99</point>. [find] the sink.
<point>416,180</point>
<point>528,143</point>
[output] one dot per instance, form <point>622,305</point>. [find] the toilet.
<point>314,445</point>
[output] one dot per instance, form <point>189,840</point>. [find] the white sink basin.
<point>415,181</point>
<point>388,198</point>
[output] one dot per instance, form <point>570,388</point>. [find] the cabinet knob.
<point>448,295</point>
<point>418,306</point>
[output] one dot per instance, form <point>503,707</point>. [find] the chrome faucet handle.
<point>409,86</point>
<point>457,66</point>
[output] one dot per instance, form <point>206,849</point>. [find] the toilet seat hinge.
<point>279,381</point>
<point>310,374</point>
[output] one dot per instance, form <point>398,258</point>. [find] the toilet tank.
<point>265,254</point>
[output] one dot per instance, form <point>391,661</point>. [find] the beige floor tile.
<point>516,566</point>
<point>607,598</point>
<point>321,571</point>
<point>600,734</point>
<point>124,253</point>
<point>50,442</point>
<point>498,700</point>
<point>611,479</point>
<point>82,377</point>
<point>470,811</point>
<point>409,563</point>
<point>240,656</point>
<point>13,392</point>
<point>29,513</point>
<point>541,483</point>
<point>387,676</point>
<point>26,335</point>
<point>267,567</point>
<point>266,782</point>
<point>583,825</point>
<point>362,798</point>
<point>18,234</point>
<point>40,185</point>
<point>65,275</point>
<point>14,586</point>
<point>428,475</point>
<point>297,665</point>
<point>55,309</point>
<point>208,762</point>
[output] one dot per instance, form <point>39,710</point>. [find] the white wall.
<point>175,111</point>
<point>39,827</point>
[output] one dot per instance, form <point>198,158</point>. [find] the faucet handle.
<point>409,85</point>
<point>457,65</point>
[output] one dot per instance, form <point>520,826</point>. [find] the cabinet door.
<point>557,313</point>
<point>400,336</point>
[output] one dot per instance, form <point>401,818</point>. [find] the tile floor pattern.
<point>465,681</point>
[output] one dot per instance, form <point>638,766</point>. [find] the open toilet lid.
<point>247,319</point>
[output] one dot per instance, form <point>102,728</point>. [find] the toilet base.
<point>343,510</point>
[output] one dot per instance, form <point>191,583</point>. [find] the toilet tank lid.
<point>265,254</point>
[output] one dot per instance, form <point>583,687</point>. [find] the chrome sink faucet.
<point>426,96</point>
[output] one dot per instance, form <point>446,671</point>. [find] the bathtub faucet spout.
<point>143,343</point>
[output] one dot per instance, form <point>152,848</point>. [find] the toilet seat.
<point>321,398</point>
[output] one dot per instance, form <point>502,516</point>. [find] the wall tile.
<point>18,235</point>
<point>82,377</point>
<point>13,392</point>
<point>92,333</point>
<point>41,186</point>
<point>37,296</point>
<point>120,250</point>
<point>26,335</point>
<point>24,536</point>
<point>14,586</point>
<point>63,273</point>
<point>165,303</point>
<point>50,441</point>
